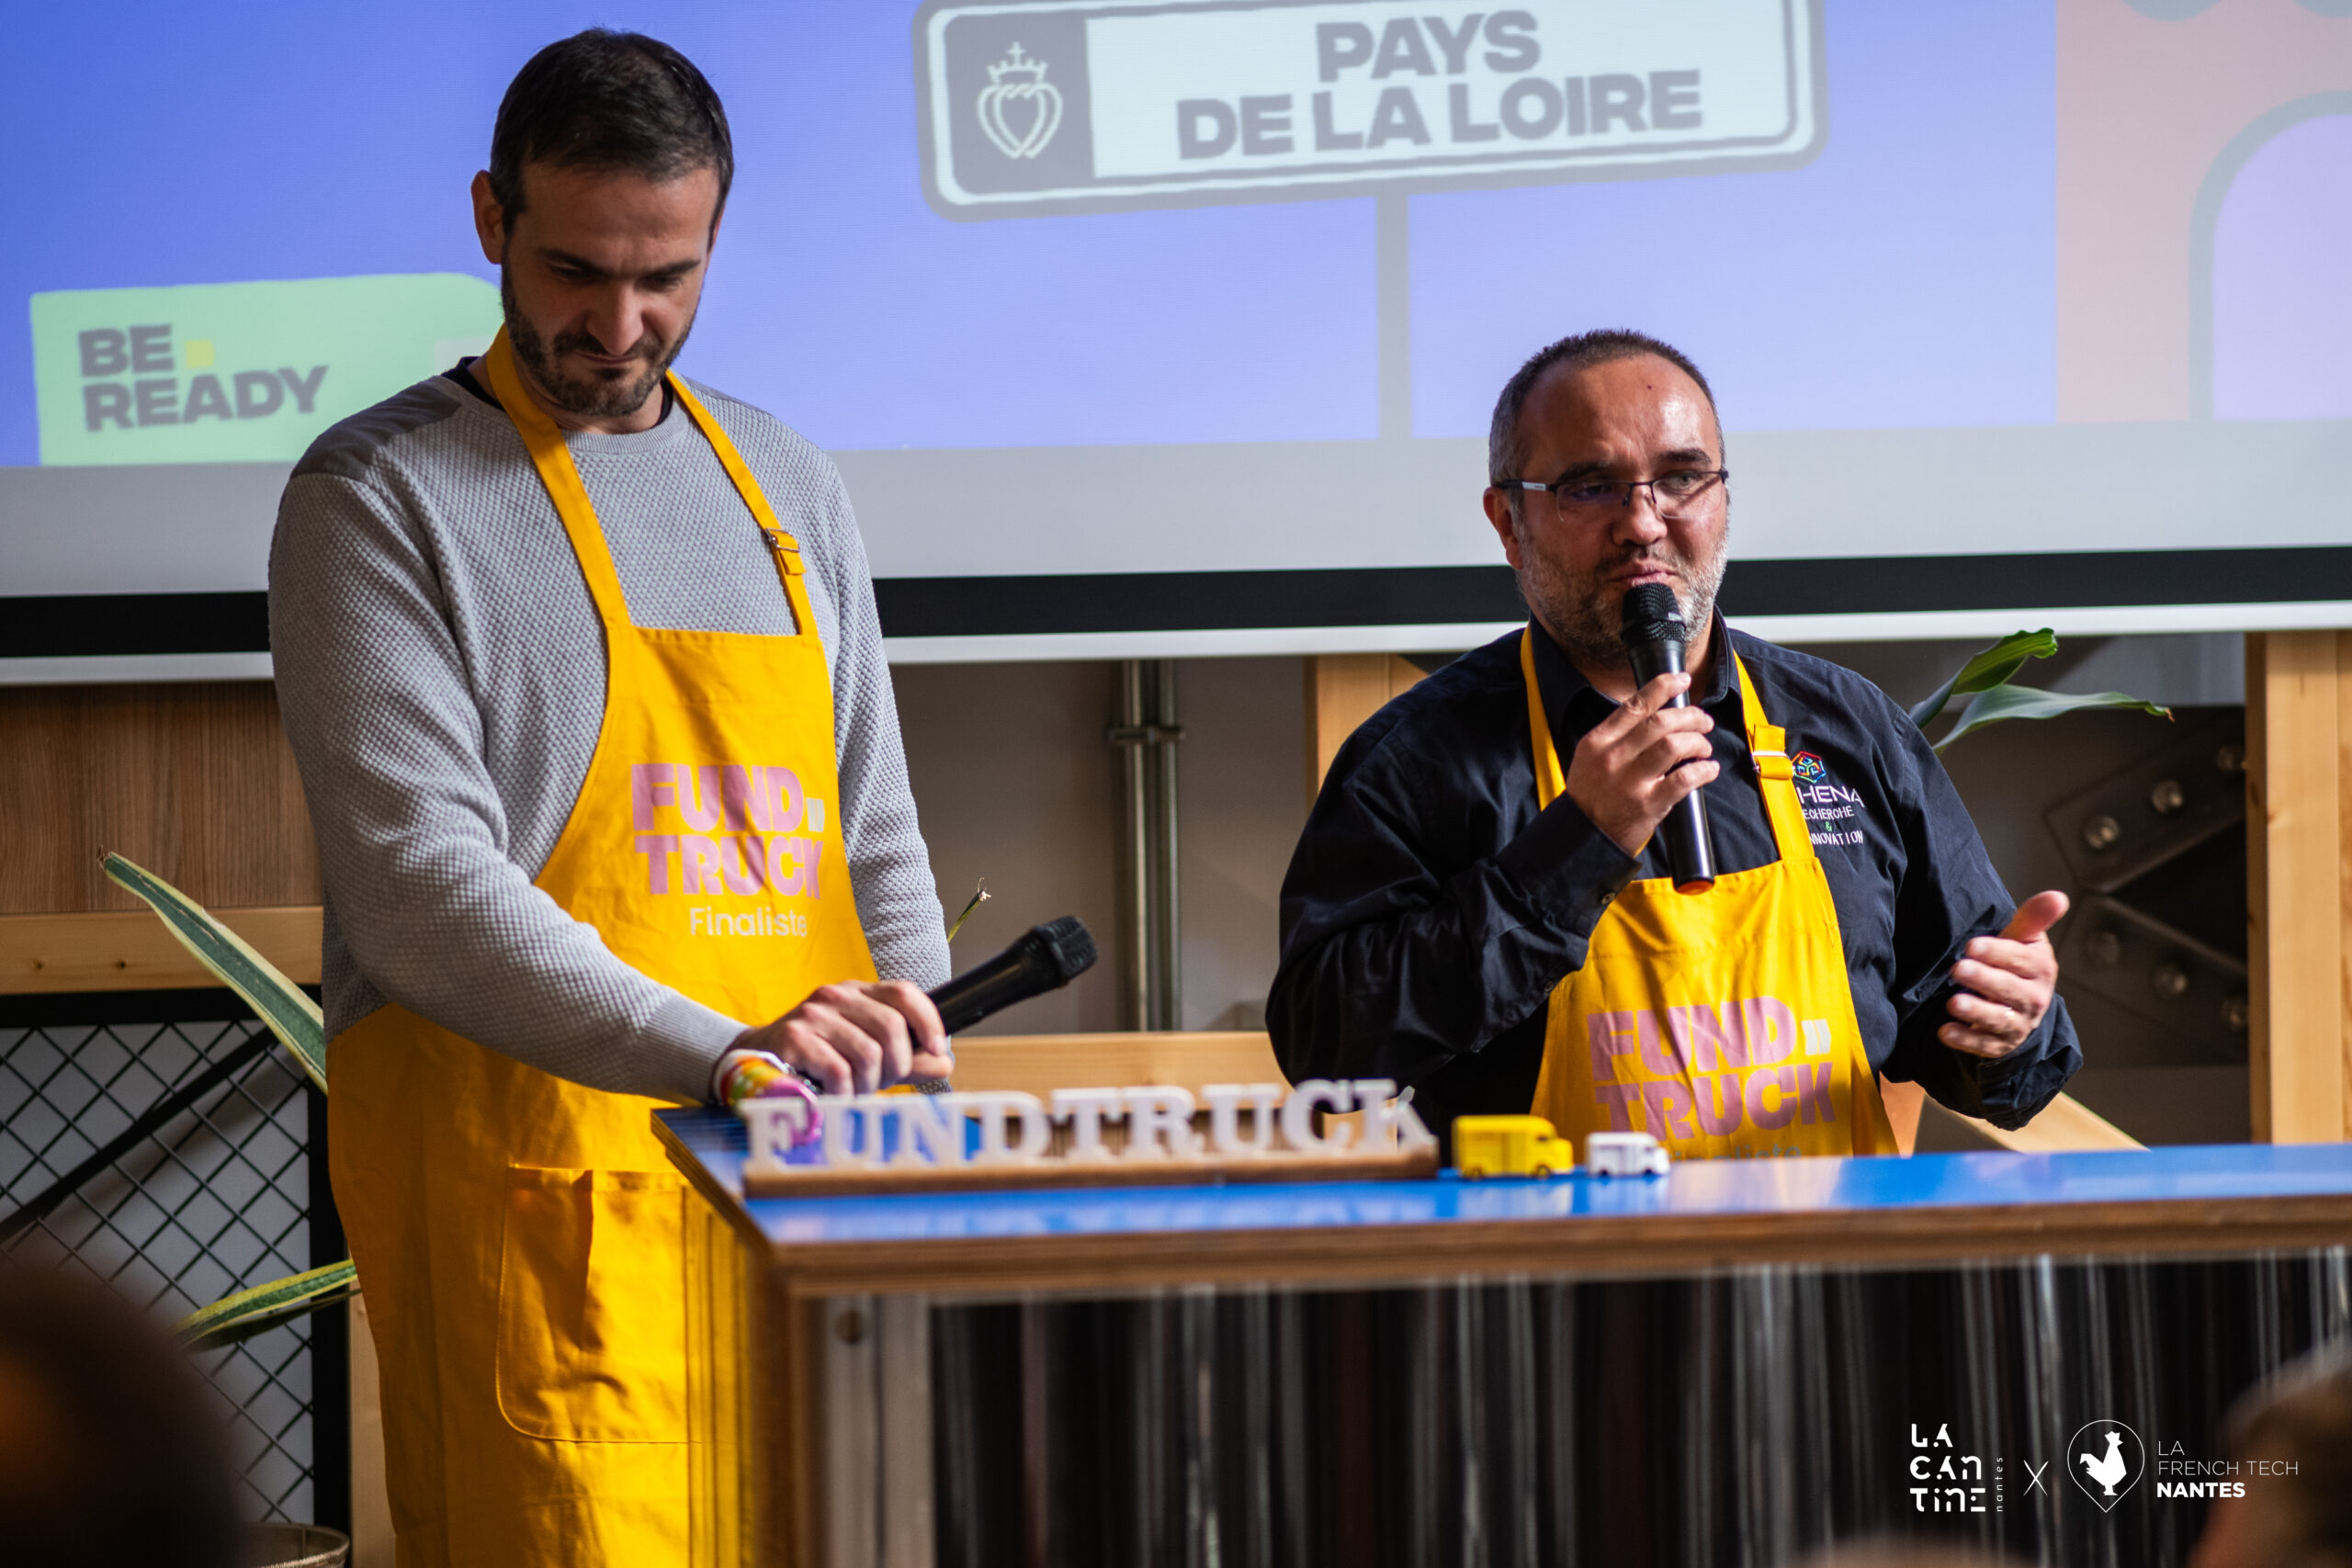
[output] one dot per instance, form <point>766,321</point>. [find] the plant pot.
<point>296,1546</point>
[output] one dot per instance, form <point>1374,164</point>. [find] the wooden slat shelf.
<point>129,950</point>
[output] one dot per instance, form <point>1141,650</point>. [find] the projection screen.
<point>1172,327</point>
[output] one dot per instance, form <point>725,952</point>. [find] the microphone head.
<point>1651,615</point>
<point>1065,947</point>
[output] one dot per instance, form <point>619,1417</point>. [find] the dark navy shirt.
<point>1430,908</point>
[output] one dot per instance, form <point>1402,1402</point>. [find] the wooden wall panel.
<point>2326,1074</point>
<point>1342,691</point>
<point>2299,766</point>
<point>1040,1064</point>
<point>193,781</point>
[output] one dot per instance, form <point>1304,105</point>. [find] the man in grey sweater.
<point>461,697</point>
<point>443,682</point>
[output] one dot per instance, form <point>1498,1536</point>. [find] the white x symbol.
<point>2035,1474</point>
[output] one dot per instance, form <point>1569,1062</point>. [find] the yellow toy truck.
<point>1510,1145</point>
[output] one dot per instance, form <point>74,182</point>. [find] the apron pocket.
<point>592,1314</point>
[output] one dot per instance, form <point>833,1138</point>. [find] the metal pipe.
<point>1135,937</point>
<point>1168,933</point>
<point>1151,944</point>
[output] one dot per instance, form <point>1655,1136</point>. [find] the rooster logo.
<point>2108,1468</point>
<point>2106,1461</point>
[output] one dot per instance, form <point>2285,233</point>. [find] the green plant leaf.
<point>281,1004</point>
<point>250,1312</point>
<point>1987,670</point>
<point>979,896</point>
<point>2024,702</point>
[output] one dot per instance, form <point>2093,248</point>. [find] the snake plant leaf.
<point>277,1001</point>
<point>251,1312</point>
<point>2025,702</point>
<point>1987,670</point>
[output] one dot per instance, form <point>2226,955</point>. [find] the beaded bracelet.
<point>762,1077</point>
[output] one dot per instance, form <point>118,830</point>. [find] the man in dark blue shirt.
<point>1434,907</point>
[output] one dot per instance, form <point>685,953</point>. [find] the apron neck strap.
<point>1551,781</point>
<point>781,545</point>
<point>561,477</point>
<point>1768,744</point>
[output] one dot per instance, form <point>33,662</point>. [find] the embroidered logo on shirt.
<point>1832,811</point>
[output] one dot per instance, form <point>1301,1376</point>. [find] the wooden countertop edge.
<point>132,950</point>
<point>729,1204</point>
<point>1583,1246</point>
<point>897,1181</point>
<point>1590,1244</point>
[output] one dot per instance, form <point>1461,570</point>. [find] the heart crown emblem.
<point>1019,79</point>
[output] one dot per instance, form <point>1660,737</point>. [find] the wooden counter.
<point>824,1312</point>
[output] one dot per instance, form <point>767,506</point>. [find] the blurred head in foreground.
<point>2302,1418</point>
<point>111,1454</point>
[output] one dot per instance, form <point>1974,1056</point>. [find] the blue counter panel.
<point>1721,1187</point>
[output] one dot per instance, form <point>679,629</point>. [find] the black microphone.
<point>1049,957</point>
<point>1654,632</point>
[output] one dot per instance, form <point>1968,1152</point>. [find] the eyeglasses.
<point>1678,494</point>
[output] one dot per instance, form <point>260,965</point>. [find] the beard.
<point>1585,616</point>
<point>611,396</point>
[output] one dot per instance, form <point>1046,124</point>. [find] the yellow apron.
<point>520,1238</point>
<point>1721,1022</point>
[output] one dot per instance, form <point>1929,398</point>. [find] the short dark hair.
<point>1505,451</point>
<point>602,99</point>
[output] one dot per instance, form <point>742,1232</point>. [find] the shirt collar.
<point>1574,705</point>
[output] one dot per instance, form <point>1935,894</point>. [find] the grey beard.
<point>589,399</point>
<point>1587,622</point>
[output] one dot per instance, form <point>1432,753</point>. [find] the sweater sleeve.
<point>890,866</point>
<point>413,838</point>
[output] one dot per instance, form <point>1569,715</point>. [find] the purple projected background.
<point>2282,279</point>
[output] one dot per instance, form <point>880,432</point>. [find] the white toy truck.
<point>1623,1154</point>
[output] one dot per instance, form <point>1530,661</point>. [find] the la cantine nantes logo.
<point>2105,1458</point>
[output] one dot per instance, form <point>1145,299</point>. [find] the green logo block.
<point>239,372</point>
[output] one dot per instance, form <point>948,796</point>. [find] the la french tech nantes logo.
<point>2105,1460</point>
<point>1019,109</point>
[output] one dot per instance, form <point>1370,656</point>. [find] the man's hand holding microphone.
<point>1638,772</point>
<point>863,1036</point>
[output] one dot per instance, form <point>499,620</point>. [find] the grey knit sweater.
<point>442,675</point>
